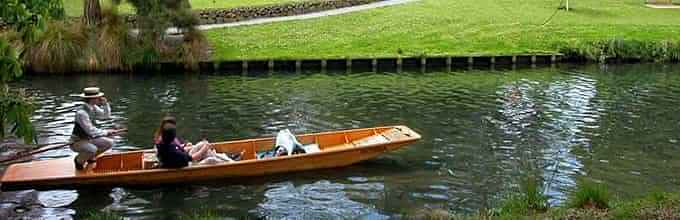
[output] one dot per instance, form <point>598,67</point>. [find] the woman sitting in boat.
<point>198,152</point>
<point>169,153</point>
<point>203,152</point>
<point>172,155</point>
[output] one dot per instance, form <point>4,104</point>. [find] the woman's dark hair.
<point>158,134</point>
<point>169,134</point>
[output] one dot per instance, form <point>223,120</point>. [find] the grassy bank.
<point>438,27</point>
<point>74,8</point>
<point>652,206</point>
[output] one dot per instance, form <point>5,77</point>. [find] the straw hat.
<point>91,92</point>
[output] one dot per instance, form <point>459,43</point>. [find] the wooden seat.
<point>133,161</point>
<point>119,162</point>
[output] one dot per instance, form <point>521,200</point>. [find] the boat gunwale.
<point>236,163</point>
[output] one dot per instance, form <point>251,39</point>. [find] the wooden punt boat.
<point>337,149</point>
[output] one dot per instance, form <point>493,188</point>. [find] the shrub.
<point>10,67</point>
<point>59,49</point>
<point>589,195</point>
<point>15,107</point>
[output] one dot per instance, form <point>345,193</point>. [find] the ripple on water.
<point>129,204</point>
<point>57,198</point>
<point>319,200</point>
<point>358,179</point>
<point>481,130</point>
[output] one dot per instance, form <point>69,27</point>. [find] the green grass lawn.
<point>75,7</point>
<point>438,27</point>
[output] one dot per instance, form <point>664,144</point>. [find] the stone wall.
<point>219,16</point>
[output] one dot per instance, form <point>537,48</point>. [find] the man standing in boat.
<point>88,140</point>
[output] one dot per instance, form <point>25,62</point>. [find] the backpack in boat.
<point>286,144</point>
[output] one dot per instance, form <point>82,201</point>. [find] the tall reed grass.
<point>57,50</point>
<point>528,201</point>
<point>112,40</point>
<point>623,50</point>
<point>111,46</point>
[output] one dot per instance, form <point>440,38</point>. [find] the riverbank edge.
<point>361,64</point>
<point>364,64</point>
<point>617,51</point>
<point>652,206</point>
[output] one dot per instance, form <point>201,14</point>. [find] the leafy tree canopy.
<point>29,16</point>
<point>15,107</point>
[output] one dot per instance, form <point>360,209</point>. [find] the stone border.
<point>228,15</point>
<point>349,65</point>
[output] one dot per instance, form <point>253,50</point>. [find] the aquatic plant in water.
<point>589,195</point>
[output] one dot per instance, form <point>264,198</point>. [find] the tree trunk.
<point>92,12</point>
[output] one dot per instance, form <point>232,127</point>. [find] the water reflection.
<point>57,198</point>
<point>482,132</point>
<point>124,202</point>
<point>319,200</point>
<point>569,108</point>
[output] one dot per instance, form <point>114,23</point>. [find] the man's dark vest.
<point>78,131</point>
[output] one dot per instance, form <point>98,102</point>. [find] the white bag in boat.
<point>285,139</point>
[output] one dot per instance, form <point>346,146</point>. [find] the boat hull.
<point>67,176</point>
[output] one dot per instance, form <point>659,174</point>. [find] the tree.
<point>29,17</point>
<point>15,107</point>
<point>92,12</point>
<point>154,17</point>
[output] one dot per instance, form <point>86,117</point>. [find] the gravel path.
<point>303,16</point>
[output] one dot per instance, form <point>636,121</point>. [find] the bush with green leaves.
<point>48,44</point>
<point>154,17</point>
<point>15,107</point>
<point>30,17</point>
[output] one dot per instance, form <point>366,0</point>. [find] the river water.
<point>483,131</point>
